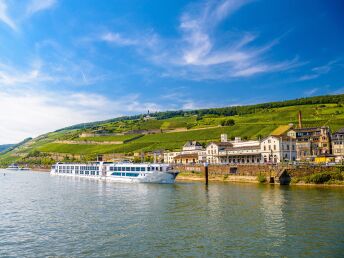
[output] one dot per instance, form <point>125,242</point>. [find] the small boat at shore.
<point>16,167</point>
<point>119,172</point>
<point>13,167</point>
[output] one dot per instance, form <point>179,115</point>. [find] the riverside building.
<point>278,149</point>
<point>312,142</point>
<point>192,152</point>
<point>233,152</point>
<point>338,145</point>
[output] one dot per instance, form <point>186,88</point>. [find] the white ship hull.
<point>158,177</point>
<point>138,173</point>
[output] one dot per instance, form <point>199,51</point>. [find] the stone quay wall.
<point>239,170</point>
<point>255,170</point>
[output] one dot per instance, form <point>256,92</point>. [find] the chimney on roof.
<point>300,119</point>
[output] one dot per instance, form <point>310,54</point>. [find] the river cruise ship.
<point>118,172</point>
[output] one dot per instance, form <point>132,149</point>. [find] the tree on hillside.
<point>228,122</point>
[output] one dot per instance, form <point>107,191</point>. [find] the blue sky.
<point>65,62</point>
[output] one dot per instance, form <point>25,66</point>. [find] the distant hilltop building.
<point>148,117</point>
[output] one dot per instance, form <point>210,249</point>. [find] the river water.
<point>43,215</point>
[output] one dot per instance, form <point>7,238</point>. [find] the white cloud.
<point>237,59</point>
<point>116,38</point>
<point>202,52</point>
<point>197,27</point>
<point>339,90</point>
<point>33,7</point>
<point>263,68</point>
<point>141,41</point>
<point>318,71</point>
<point>40,5</point>
<point>11,76</point>
<point>4,17</point>
<point>56,65</point>
<point>311,92</point>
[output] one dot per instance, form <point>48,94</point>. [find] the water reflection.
<point>272,205</point>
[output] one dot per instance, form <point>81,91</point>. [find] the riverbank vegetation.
<point>261,179</point>
<point>333,177</point>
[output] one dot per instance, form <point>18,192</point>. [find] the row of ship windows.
<point>93,173</point>
<point>128,169</point>
<point>77,167</point>
<point>135,169</point>
<point>125,174</point>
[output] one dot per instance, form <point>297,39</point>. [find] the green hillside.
<point>170,130</point>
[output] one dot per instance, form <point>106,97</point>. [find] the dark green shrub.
<point>228,122</point>
<point>261,178</point>
<point>324,177</point>
<point>319,178</point>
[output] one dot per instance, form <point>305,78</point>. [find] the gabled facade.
<point>192,152</point>
<point>192,146</point>
<point>233,152</point>
<point>278,149</point>
<point>212,151</point>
